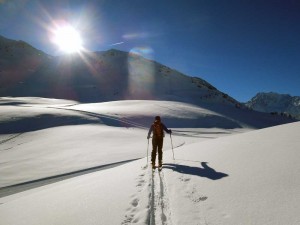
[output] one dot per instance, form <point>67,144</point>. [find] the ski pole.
<point>147,151</point>
<point>172,146</point>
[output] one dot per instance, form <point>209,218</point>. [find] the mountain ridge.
<point>97,76</point>
<point>275,103</point>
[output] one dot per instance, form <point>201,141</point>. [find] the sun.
<point>68,39</point>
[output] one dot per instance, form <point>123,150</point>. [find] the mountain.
<point>18,61</point>
<point>96,77</point>
<point>14,51</point>
<point>112,75</point>
<point>276,104</point>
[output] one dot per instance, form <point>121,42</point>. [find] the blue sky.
<point>241,47</point>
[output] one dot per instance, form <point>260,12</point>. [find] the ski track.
<point>98,115</point>
<point>27,185</point>
<point>122,120</point>
<point>10,138</point>
<point>151,187</point>
<point>159,212</point>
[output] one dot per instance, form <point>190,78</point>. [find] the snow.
<point>79,136</point>
<point>273,102</point>
<point>219,175</point>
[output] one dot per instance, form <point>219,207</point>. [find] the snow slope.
<point>250,178</point>
<point>219,176</point>
<point>42,138</point>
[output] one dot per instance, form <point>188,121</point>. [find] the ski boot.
<point>153,166</point>
<point>159,165</point>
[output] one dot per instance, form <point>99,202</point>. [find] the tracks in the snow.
<point>159,210</point>
<point>10,138</point>
<point>20,187</point>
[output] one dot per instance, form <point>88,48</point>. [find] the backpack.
<point>158,129</point>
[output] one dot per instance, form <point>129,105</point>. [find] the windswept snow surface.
<point>216,177</point>
<point>46,137</point>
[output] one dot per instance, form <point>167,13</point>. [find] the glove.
<point>148,137</point>
<point>170,131</point>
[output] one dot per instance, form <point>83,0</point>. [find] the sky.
<point>240,47</point>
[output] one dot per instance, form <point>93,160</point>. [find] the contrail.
<point>118,43</point>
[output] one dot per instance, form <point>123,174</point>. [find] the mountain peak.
<point>11,49</point>
<point>272,94</point>
<point>272,102</point>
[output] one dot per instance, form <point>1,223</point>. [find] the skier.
<point>157,140</point>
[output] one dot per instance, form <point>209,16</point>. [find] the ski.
<point>157,167</point>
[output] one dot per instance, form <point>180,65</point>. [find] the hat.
<point>157,118</point>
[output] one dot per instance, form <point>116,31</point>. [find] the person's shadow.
<point>206,171</point>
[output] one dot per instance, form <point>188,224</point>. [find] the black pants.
<point>157,145</point>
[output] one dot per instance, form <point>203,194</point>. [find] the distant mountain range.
<point>276,104</point>
<point>109,76</point>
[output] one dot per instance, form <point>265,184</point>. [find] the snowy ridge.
<point>97,77</point>
<point>276,103</point>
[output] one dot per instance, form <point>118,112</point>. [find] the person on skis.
<point>157,140</point>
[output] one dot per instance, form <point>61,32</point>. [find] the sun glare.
<point>68,39</point>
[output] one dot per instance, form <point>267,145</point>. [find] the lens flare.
<point>141,73</point>
<point>144,51</point>
<point>67,38</point>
